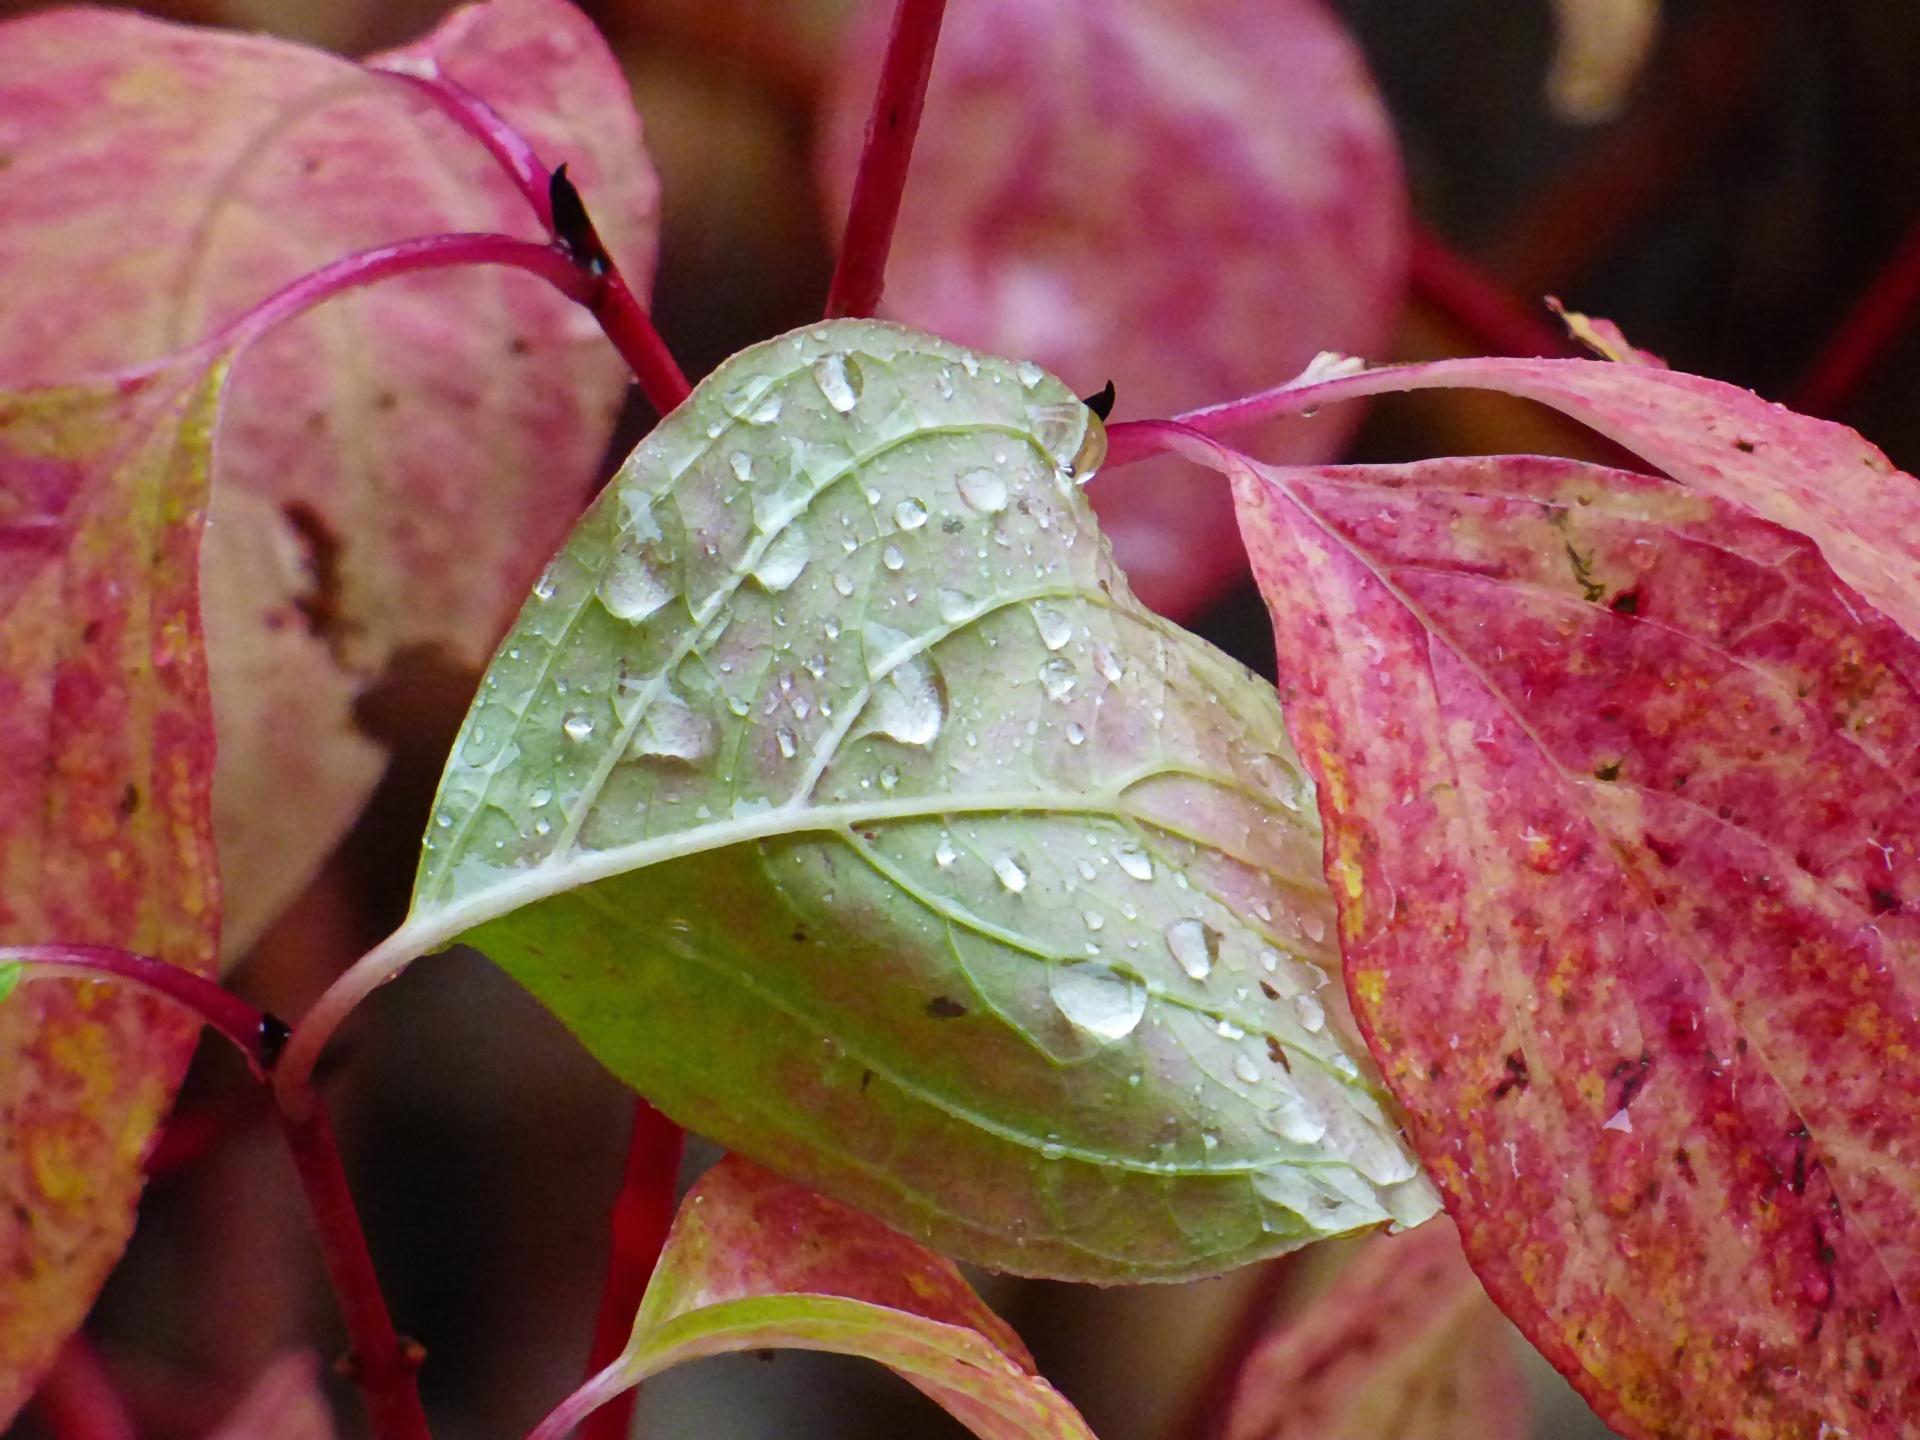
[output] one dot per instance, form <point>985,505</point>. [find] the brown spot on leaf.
<point>945,1007</point>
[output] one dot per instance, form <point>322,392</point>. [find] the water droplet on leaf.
<point>983,490</point>
<point>785,557</point>
<point>1195,945</point>
<point>1098,1000</point>
<point>840,380</point>
<point>1012,872</point>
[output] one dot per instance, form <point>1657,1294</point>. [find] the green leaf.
<point>835,790</point>
<point>755,1262</point>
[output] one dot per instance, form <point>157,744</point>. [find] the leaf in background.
<point>837,793</point>
<point>1405,1345</point>
<point>1192,199</point>
<point>107,839</point>
<point>755,1262</point>
<point>394,468</point>
<point>1619,784</point>
<point>1599,50</point>
<point>285,1403</point>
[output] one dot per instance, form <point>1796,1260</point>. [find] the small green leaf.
<point>755,1262</point>
<point>835,790</point>
<point>12,972</point>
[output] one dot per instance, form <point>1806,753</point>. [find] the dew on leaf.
<point>1097,999</point>
<point>839,379</point>
<point>1134,861</point>
<point>1292,1120</point>
<point>983,490</point>
<point>1195,945</point>
<point>672,730</point>
<point>1054,625</point>
<point>1313,1015</point>
<point>785,557</point>
<point>843,583</point>
<point>1076,733</point>
<point>892,558</point>
<point>1318,1197</point>
<point>1012,871</point>
<point>767,413</point>
<point>578,725</point>
<point>953,604</point>
<point>944,854</point>
<point>1246,1068</point>
<point>540,796</point>
<point>543,587</point>
<point>1057,677</point>
<point>742,464</point>
<point>789,745</point>
<point>905,704</point>
<point>909,514</point>
<point>630,588</point>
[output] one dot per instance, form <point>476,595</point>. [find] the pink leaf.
<point>1404,1346</point>
<point>285,1403</point>
<point>394,468</point>
<point>1619,792</point>
<point>1189,199</point>
<point>756,1262</point>
<point>107,836</point>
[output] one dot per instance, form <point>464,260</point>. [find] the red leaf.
<point>393,469</point>
<point>1404,1346</point>
<point>106,837</point>
<point>1618,785</point>
<point>1189,199</point>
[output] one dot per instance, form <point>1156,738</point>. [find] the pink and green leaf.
<point>1189,199</point>
<point>1618,786</point>
<point>755,1262</point>
<point>392,470</point>
<point>107,836</point>
<point>1405,1345</point>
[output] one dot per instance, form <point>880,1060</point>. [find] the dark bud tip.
<point>274,1034</point>
<point>1102,403</point>
<point>573,227</point>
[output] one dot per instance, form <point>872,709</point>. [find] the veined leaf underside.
<point>834,788</point>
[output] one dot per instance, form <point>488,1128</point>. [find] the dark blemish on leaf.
<point>769,1356</point>
<point>1435,1071</point>
<point>1102,403</point>
<point>1627,602</point>
<point>320,606</point>
<point>1583,575</point>
<point>1632,1075</point>
<point>519,345</point>
<point>386,402</point>
<point>1740,1046</point>
<point>1884,902</point>
<point>1726,812</point>
<point>129,805</point>
<point>315,422</point>
<point>311,166</point>
<point>1681,1158</point>
<point>1801,1139</point>
<point>1609,771</point>
<point>1517,1077</point>
<point>943,1007</point>
<point>952,525</point>
<point>800,935</point>
<point>1268,991</point>
<point>1277,1053</point>
<point>866,1079</point>
<point>1745,447</point>
<point>91,634</point>
<point>1665,851</point>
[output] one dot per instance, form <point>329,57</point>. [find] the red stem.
<point>1871,328</point>
<point>77,1400</point>
<point>877,188</point>
<point>480,120</point>
<point>257,1034</point>
<point>1480,305</point>
<point>642,1214</point>
<point>381,1363</point>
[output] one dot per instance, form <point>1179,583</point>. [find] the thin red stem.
<point>257,1034</point>
<point>1871,328</point>
<point>882,177</point>
<point>629,327</point>
<point>381,1364</point>
<point>1480,305</point>
<point>642,1215</point>
<point>77,1400</point>
<point>508,146</point>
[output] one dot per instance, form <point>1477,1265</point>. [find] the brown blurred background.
<point>1730,210</point>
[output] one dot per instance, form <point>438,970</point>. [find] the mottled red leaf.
<point>394,468</point>
<point>1404,1346</point>
<point>755,1262</point>
<point>1190,199</point>
<point>105,829</point>
<point>1618,783</point>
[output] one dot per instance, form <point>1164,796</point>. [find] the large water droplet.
<point>909,514</point>
<point>944,854</point>
<point>742,464</point>
<point>1057,677</point>
<point>983,490</point>
<point>840,380</point>
<point>843,582</point>
<point>1330,1198</point>
<point>1294,1120</point>
<point>1195,945</point>
<point>788,742</point>
<point>1029,373</point>
<point>1098,1000</point>
<point>1313,1015</point>
<point>766,412</point>
<point>672,730</point>
<point>578,725</point>
<point>892,557</point>
<point>905,704</point>
<point>1246,1068</point>
<point>630,588</point>
<point>1134,861</point>
<point>953,604</point>
<point>1012,871</point>
<point>1054,625</point>
<point>785,557</point>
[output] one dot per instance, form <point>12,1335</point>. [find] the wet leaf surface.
<point>1190,199</point>
<point>1618,782</point>
<point>755,1262</point>
<point>837,793</point>
<point>394,468</point>
<point>107,838</point>
<point>1404,1346</point>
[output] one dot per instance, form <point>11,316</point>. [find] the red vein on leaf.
<point>508,146</point>
<point>1479,304</point>
<point>882,178</point>
<point>642,1215</point>
<point>1869,330</point>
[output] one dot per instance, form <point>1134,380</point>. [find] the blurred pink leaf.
<point>394,468</point>
<point>107,837</point>
<point>1405,1345</point>
<point>285,1403</point>
<point>1192,199</point>
<point>755,1262</point>
<point>1618,784</point>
